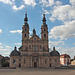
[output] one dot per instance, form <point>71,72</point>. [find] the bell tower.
<point>44,29</point>
<point>25,28</point>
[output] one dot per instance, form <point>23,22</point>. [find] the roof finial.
<point>26,19</point>
<point>34,32</point>
<point>26,11</point>
<point>15,48</point>
<point>44,18</point>
<point>53,48</point>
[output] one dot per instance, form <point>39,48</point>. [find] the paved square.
<point>37,72</point>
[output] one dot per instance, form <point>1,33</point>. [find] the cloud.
<point>0,43</point>
<point>17,43</point>
<point>6,53</point>
<point>5,49</point>
<point>66,13</point>
<point>49,3</point>
<point>1,47</point>
<point>2,50</point>
<point>22,5</point>
<point>46,3</point>
<point>67,50</point>
<point>30,2</point>
<point>0,30</point>
<point>12,2</point>
<point>16,31</point>
<point>30,32</point>
<point>63,31</point>
<point>72,2</point>
<point>18,8</point>
<point>6,1</point>
<point>56,43</point>
<point>46,11</point>
<point>73,43</point>
<point>8,47</point>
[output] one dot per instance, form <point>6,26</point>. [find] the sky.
<point>60,15</point>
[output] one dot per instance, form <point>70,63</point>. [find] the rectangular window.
<point>29,46</point>
<point>40,46</point>
<point>55,60</point>
<point>44,35</point>
<point>25,35</point>
<point>34,48</point>
<point>14,61</point>
<point>25,29</point>
<point>45,61</point>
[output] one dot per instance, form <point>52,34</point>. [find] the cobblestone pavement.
<point>37,71</point>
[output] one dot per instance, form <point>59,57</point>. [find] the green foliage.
<point>4,63</point>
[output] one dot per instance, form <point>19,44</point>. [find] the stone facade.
<point>34,51</point>
<point>73,62</point>
<point>65,59</point>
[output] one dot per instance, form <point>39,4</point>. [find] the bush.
<point>4,63</point>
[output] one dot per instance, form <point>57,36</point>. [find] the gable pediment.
<point>34,37</point>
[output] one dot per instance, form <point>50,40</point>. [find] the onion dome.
<point>54,52</point>
<point>44,18</point>
<point>44,25</point>
<point>26,21</point>
<point>15,52</point>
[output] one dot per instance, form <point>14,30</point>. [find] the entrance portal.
<point>19,65</point>
<point>35,64</point>
<point>50,65</point>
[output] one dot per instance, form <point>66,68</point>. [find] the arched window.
<point>45,61</point>
<point>25,29</point>
<point>34,48</point>
<point>43,48</point>
<point>44,35</point>
<point>50,65</point>
<point>44,29</point>
<point>14,61</point>
<point>25,35</point>
<point>55,60</point>
<point>34,38</point>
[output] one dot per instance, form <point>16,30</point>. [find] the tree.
<point>4,63</point>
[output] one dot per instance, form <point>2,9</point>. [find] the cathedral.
<point>34,52</point>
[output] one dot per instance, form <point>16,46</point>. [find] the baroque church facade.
<point>34,52</point>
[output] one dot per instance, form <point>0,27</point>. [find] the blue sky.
<point>60,15</point>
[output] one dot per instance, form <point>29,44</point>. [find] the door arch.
<point>35,64</point>
<point>19,65</point>
<point>50,65</point>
